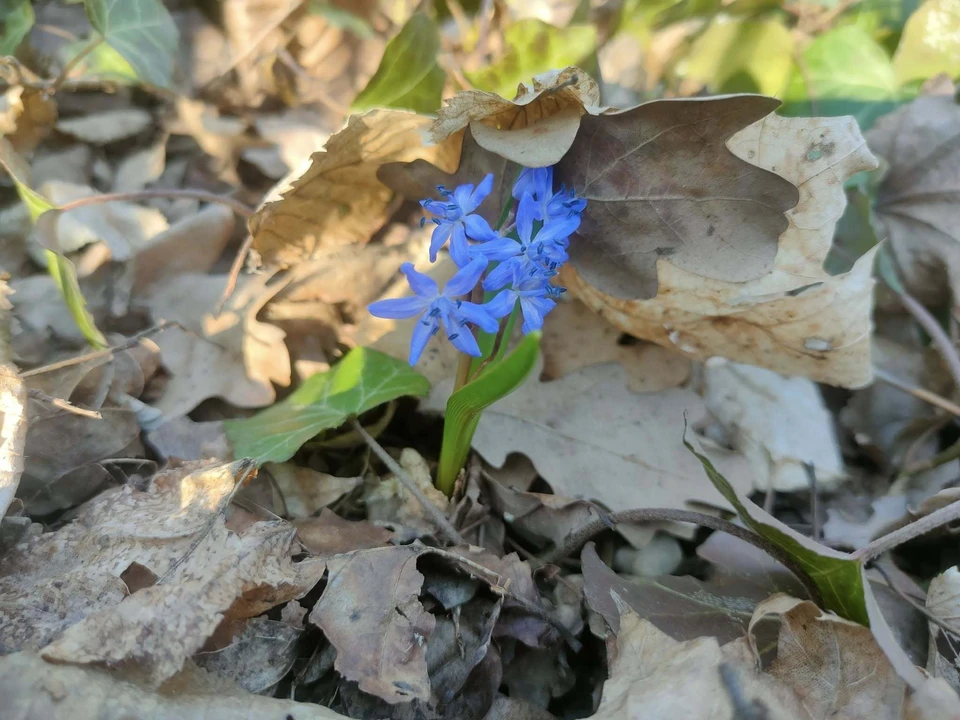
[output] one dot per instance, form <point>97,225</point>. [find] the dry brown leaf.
<point>191,245</point>
<point>36,690</point>
<point>13,418</point>
<point>535,129</point>
<point>918,200</point>
<point>140,168</point>
<point>233,356</point>
<point>590,437</point>
<point>779,423</point>
<point>943,603</point>
<point>26,116</point>
<point>796,320</point>
<point>304,491</point>
<point>329,534</point>
<point>389,501</point>
<point>575,338</point>
<point>101,128</point>
<point>338,200</point>
<point>654,676</point>
<point>371,613</point>
<point>834,666</point>
<point>183,439</point>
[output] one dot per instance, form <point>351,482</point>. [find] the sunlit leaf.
<point>14,26</point>
<point>361,381</point>
<point>142,31</point>
<point>930,43</point>
<point>408,77</point>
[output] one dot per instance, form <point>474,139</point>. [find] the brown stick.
<point>918,527</point>
<point>202,195</point>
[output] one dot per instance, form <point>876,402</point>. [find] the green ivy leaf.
<point>534,47</point>
<point>408,77</point>
<point>62,271</point>
<point>16,24</point>
<point>930,43</point>
<point>361,381</point>
<point>838,576</point>
<point>465,406</point>
<point>735,56</point>
<point>843,72</point>
<point>142,31</point>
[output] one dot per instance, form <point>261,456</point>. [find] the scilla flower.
<point>440,308</point>
<point>456,221</point>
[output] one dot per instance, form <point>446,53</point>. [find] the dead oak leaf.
<point>371,613</point>
<point>660,182</point>
<point>796,319</point>
<point>232,355</point>
<point>339,200</point>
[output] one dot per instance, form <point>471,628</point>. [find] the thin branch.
<point>917,392</point>
<point>432,510</point>
<point>918,527</point>
<point>129,343</point>
<point>202,195</point>
<point>941,458</point>
<point>814,500</point>
<point>938,337</point>
<point>234,274</point>
<point>62,404</point>
<point>579,537</point>
<point>74,61</point>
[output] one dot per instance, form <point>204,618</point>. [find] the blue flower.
<point>436,309</point>
<point>538,182</point>
<point>533,293</point>
<point>456,221</point>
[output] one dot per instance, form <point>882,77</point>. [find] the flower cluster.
<point>526,253</point>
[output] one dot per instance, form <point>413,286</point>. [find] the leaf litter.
<point>148,568</point>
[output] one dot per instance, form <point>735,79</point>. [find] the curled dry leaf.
<point>795,319</point>
<point>36,690</point>
<point>339,200</point>
<point>918,202</point>
<point>535,129</point>
<point>13,422</point>
<point>371,613</point>
<point>943,603</point>
<point>590,437</point>
<point>231,355</point>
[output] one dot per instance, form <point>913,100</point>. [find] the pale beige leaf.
<point>371,614</point>
<point>943,597</point>
<point>654,676</point>
<point>796,320</point>
<point>339,200</point>
<point>108,126</point>
<point>304,491</point>
<point>141,167</point>
<point>231,355</point>
<point>834,666</point>
<point>591,437</point>
<point>36,690</point>
<point>13,420</point>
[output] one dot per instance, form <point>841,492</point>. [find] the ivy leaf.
<point>843,72</point>
<point>408,77</point>
<point>17,21</point>
<point>142,31</point>
<point>837,575</point>
<point>361,381</point>
<point>534,47</point>
<point>930,43</point>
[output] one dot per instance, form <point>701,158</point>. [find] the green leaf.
<point>344,19</point>
<point>16,24</point>
<point>734,56</point>
<point>838,576</point>
<point>534,47</point>
<point>408,77</point>
<point>60,268</point>
<point>102,64</point>
<point>361,381</point>
<point>465,406</point>
<point>930,43</point>
<point>843,72</point>
<point>142,31</point>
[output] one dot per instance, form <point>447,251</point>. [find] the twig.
<point>274,22</point>
<point>917,392</point>
<point>579,537</point>
<point>129,343</point>
<point>62,404</point>
<point>352,438</point>
<point>814,500</point>
<point>234,274</point>
<point>432,510</point>
<point>202,195</point>
<point>941,458</point>
<point>938,337</point>
<point>74,61</point>
<point>918,527</point>
<point>743,709</point>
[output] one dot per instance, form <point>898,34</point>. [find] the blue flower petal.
<point>479,195</point>
<point>459,247</point>
<point>439,238</point>
<point>558,228</point>
<point>502,275</point>
<point>497,250</point>
<point>466,278</point>
<point>423,285</point>
<point>396,308</point>
<point>526,214</point>
<point>479,229</point>
<point>533,310</point>
<point>461,196</point>
<point>478,315</point>
<point>422,332</point>
<point>501,304</point>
